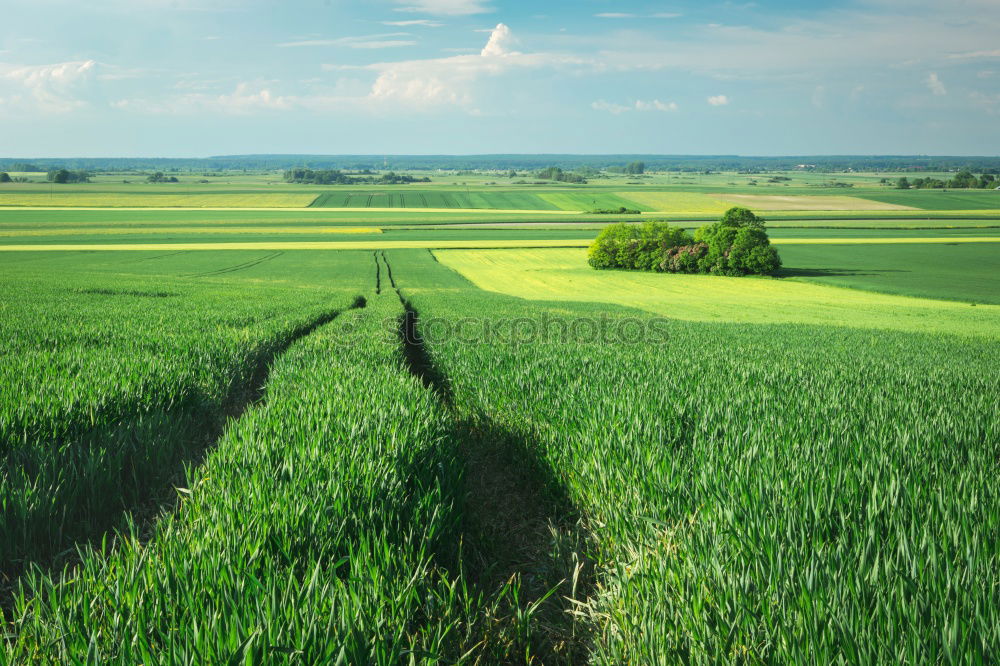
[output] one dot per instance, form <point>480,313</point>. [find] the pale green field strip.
<point>118,231</point>
<point>772,202</point>
<point>305,245</point>
<point>443,244</point>
<point>179,200</point>
<point>323,211</point>
<point>563,275</point>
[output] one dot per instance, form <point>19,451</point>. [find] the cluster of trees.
<point>735,245</point>
<point>555,173</point>
<point>621,210</point>
<point>63,176</point>
<point>962,180</point>
<point>632,168</point>
<point>338,177</point>
<point>4,177</point>
<point>158,177</point>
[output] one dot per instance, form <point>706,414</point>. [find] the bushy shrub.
<point>735,245</point>
<point>684,258</point>
<point>636,247</point>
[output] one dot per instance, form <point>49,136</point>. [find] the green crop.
<point>441,474</point>
<point>761,493</point>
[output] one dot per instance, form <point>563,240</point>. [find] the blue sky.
<point>207,77</point>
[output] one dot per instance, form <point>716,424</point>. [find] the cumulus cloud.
<point>718,100</point>
<point>450,80</point>
<point>499,43</point>
<point>55,88</point>
<point>935,85</point>
<point>638,105</point>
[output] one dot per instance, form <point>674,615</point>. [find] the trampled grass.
<point>101,402</point>
<point>563,275</point>
<point>756,493</point>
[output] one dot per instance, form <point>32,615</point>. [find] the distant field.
<point>563,275</point>
<point>678,202</point>
<point>592,199</point>
<point>470,199</point>
<point>768,202</point>
<point>940,199</point>
<point>156,200</point>
<point>963,272</point>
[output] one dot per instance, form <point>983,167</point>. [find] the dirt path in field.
<point>161,492</point>
<point>523,541</point>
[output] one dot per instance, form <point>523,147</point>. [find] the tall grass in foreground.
<point>312,534</point>
<point>775,494</point>
<point>109,384</point>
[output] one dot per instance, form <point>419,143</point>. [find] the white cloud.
<point>655,105</point>
<point>638,105</point>
<point>382,41</point>
<point>718,100</point>
<point>452,80</point>
<point>246,98</point>
<point>445,7</point>
<point>935,85</point>
<point>602,105</point>
<point>666,15</point>
<point>970,55</point>
<point>499,42</point>
<point>426,23</point>
<point>55,88</point>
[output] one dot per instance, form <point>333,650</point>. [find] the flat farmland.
<point>405,428</point>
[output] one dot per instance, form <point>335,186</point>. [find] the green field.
<point>424,430</point>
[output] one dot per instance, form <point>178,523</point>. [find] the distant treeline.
<point>623,163</point>
<point>962,180</point>
<point>337,177</point>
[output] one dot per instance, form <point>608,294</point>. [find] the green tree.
<point>903,183</point>
<point>737,245</point>
<point>635,246</point>
<point>4,177</point>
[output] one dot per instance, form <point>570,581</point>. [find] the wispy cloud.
<point>614,15</point>
<point>426,23</point>
<point>718,100</point>
<point>638,105</point>
<point>445,7</point>
<point>383,41</point>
